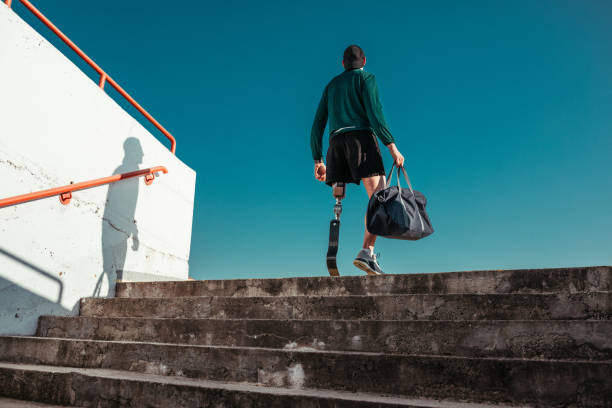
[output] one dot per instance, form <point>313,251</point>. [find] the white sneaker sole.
<point>364,267</point>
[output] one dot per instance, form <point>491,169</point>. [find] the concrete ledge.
<point>551,382</point>
<point>584,340</point>
<point>388,307</point>
<point>570,280</point>
<point>132,276</point>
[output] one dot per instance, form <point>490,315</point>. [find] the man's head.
<point>353,58</point>
<point>133,151</point>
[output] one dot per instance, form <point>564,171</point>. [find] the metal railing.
<point>65,192</point>
<point>104,78</point>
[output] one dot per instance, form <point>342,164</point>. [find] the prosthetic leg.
<point>338,190</point>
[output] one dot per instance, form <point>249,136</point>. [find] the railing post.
<point>102,80</point>
<point>8,3</point>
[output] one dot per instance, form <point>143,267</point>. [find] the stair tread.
<point>408,322</point>
<point>230,386</point>
<point>376,307</point>
<point>306,350</point>
<point>343,297</point>
<point>542,339</point>
<point>441,274</point>
<point>572,280</point>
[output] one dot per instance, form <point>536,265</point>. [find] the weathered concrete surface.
<point>13,403</point>
<point>584,340</point>
<point>571,280</point>
<point>112,388</point>
<point>528,342</point>
<point>551,382</point>
<point>594,305</point>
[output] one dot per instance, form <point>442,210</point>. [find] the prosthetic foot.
<point>338,190</point>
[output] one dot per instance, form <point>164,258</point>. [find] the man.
<point>351,102</point>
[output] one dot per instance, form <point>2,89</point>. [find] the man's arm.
<point>374,110</point>
<point>135,240</point>
<point>318,127</point>
<point>376,118</point>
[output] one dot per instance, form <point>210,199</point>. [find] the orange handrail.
<point>65,192</point>
<point>103,75</point>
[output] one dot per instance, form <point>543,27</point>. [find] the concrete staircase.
<point>472,339</point>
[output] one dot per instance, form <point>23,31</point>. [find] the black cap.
<point>354,57</point>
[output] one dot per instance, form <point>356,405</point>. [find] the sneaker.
<point>366,261</point>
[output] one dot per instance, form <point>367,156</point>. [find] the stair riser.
<point>82,390</point>
<point>400,307</point>
<point>587,340</point>
<point>512,281</point>
<point>517,381</point>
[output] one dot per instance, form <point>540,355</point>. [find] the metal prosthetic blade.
<point>332,250</point>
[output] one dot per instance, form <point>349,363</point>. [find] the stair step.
<point>571,280</point>
<point>595,305</point>
<point>91,387</point>
<point>550,382</point>
<point>584,340</point>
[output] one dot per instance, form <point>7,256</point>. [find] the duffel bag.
<point>397,212</point>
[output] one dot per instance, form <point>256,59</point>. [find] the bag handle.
<point>406,177</point>
<point>399,188</point>
<point>398,177</point>
<point>390,176</point>
<point>399,184</point>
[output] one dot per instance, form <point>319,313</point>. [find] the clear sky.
<point>502,109</point>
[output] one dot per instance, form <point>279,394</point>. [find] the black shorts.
<point>352,156</point>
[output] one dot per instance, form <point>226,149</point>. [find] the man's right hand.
<point>398,158</point>
<point>320,171</point>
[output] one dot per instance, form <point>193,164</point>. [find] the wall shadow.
<point>118,223</point>
<point>20,307</point>
<point>36,269</point>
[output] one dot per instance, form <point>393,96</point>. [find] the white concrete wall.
<point>57,126</point>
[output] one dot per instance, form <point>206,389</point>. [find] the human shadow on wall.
<point>118,223</point>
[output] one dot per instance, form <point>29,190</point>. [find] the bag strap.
<point>390,176</point>
<point>406,177</point>
<point>399,189</point>
<point>398,177</point>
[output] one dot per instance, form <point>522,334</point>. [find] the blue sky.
<point>502,110</point>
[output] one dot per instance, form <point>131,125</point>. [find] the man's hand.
<point>320,171</point>
<point>398,159</point>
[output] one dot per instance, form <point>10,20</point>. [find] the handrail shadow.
<point>36,269</point>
